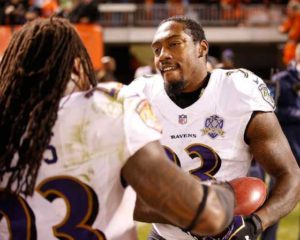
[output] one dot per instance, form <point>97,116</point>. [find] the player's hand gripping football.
<point>251,229</point>
<point>250,194</point>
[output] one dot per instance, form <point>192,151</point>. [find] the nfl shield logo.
<point>182,119</point>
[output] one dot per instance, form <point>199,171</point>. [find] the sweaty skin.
<point>271,149</point>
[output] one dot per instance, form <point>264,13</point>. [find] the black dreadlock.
<point>34,73</point>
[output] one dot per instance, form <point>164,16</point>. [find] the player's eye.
<point>174,44</point>
<point>157,51</point>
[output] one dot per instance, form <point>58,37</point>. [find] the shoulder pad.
<point>246,73</point>
<point>110,89</point>
<point>148,75</point>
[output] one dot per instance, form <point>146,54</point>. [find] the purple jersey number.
<point>82,209</point>
<point>209,160</point>
<point>210,163</point>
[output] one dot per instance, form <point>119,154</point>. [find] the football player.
<point>213,125</point>
<point>64,161</point>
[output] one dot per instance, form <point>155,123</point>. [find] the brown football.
<point>250,194</point>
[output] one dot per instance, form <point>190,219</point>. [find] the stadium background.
<point>124,31</point>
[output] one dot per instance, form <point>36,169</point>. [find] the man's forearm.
<point>284,197</point>
<point>144,213</point>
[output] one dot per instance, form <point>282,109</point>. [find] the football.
<point>250,194</point>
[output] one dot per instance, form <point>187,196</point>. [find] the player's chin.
<point>174,87</point>
<point>171,76</point>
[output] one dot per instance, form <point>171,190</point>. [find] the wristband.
<point>257,223</point>
<point>199,211</point>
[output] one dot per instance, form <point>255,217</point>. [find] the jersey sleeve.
<point>140,124</point>
<point>250,92</point>
<point>138,85</point>
<point>148,85</point>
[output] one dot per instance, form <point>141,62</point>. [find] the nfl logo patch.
<point>182,119</point>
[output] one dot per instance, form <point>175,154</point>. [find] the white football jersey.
<point>79,190</point>
<point>207,138</point>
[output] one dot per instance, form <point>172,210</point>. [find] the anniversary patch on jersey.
<point>213,126</point>
<point>266,94</point>
<point>145,111</point>
<point>182,119</point>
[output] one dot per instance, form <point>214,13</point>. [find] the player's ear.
<point>81,78</point>
<point>203,48</point>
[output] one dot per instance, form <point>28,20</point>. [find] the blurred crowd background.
<point>260,35</point>
<point>14,12</point>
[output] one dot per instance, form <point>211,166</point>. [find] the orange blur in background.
<point>91,35</point>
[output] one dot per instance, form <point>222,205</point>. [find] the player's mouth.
<point>170,68</point>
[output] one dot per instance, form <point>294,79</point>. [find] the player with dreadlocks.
<point>34,72</point>
<point>76,149</point>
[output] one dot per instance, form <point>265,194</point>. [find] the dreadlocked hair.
<point>34,73</point>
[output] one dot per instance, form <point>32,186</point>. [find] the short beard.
<point>175,88</point>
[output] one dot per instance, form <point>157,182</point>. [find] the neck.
<point>186,99</point>
<point>196,84</point>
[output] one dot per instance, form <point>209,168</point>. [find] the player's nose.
<point>164,55</point>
